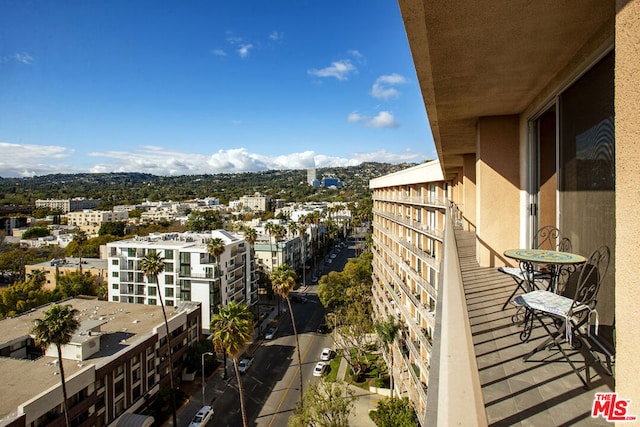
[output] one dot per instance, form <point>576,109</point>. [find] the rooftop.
<point>122,325</point>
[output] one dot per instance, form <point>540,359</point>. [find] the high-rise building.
<point>408,222</point>
<point>311,176</point>
<point>533,111</point>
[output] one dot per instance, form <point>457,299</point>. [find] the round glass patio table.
<point>554,262</point>
<point>537,263</point>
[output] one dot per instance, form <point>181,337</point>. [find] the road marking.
<point>293,377</point>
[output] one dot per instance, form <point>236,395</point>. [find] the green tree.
<point>232,327</point>
<point>22,296</point>
<point>75,283</point>
<point>38,277</point>
<point>215,248</point>
<point>113,228</point>
<point>388,332</point>
<point>394,412</point>
<point>80,238</point>
<point>204,220</point>
<point>56,328</point>
<point>325,404</point>
<point>283,280</point>
<point>35,232</point>
<point>152,265</point>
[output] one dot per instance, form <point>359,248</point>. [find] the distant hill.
<point>131,187</point>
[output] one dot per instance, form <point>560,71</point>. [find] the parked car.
<point>203,416</point>
<point>326,354</point>
<point>271,333</point>
<point>298,299</point>
<point>322,328</point>
<point>314,279</point>
<point>333,256</point>
<point>319,369</point>
<point>244,364</point>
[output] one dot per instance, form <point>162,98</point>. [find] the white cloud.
<point>338,69</point>
<point>383,88</point>
<point>384,119</point>
<point>243,51</point>
<point>23,160</point>
<point>21,57</point>
<point>219,52</point>
<point>276,35</point>
<point>32,160</point>
<point>357,55</point>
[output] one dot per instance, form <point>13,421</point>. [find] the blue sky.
<point>190,87</point>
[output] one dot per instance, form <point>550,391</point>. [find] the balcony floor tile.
<point>542,391</point>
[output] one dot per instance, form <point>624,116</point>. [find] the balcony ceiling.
<point>476,58</point>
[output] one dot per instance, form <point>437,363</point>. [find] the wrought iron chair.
<point>568,319</point>
<point>547,237</point>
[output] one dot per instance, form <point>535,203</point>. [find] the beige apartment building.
<point>533,110</point>
<point>59,267</point>
<point>68,205</point>
<point>90,221</point>
<point>408,221</point>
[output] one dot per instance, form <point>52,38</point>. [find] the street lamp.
<point>208,353</point>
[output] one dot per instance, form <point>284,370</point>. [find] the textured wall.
<point>627,124</point>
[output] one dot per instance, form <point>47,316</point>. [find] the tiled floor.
<point>543,391</point>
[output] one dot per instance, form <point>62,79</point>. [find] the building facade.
<point>408,222</point>
<point>67,205</point>
<point>190,273</point>
<point>115,363</point>
<point>90,221</point>
<point>533,111</point>
<point>60,267</point>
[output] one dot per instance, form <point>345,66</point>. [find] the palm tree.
<point>56,328</point>
<point>283,280</point>
<point>269,228</point>
<point>232,328</point>
<point>388,331</point>
<point>216,248</point>
<point>301,228</point>
<point>80,237</point>
<point>152,265</point>
<point>38,277</point>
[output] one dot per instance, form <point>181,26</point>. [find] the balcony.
<point>477,359</point>
<point>408,222</point>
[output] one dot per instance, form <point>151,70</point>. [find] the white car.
<point>271,333</point>
<point>333,256</point>
<point>319,369</point>
<point>202,417</point>
<point>326,354</point>
<point>244,364</point>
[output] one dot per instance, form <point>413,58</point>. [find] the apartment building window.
<point>168,279</point>
<point>168,292</point>
<point>115,262</point>
<point>151,291</point>
<point>131,252</point>
<point>151,301</point>
<point>168,266</point>
<point>115,274</point>
<point>115,298</point>
<point>168,254</point>
<point>115,286</point>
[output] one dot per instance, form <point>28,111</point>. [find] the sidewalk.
<point>366,401</point>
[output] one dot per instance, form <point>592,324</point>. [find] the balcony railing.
<point>454,381</point>
<point>415,200</point>
<point>416,225</point>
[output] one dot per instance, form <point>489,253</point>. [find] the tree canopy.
<point>325,404</point>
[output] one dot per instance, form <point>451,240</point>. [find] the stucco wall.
<point>469,198</point>
<point>497,188</point>
<point>627,125</point>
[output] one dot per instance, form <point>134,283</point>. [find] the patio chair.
<point>547,237</point>
<point>571,319</point>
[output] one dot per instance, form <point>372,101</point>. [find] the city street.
<point>272,383</point>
